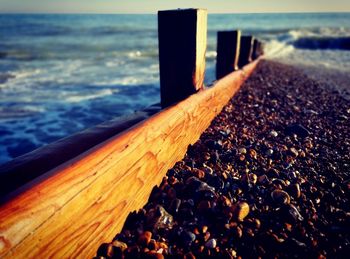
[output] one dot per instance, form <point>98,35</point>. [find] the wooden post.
<point>228,48</point>
<point>182,36</point>
<point>255,49</point>
<point>260,48</point>
<point>245,55</point>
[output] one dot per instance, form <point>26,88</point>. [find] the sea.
<point>63,73</point>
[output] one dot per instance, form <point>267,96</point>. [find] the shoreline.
<point>268,178</point>
<point>333,78</point>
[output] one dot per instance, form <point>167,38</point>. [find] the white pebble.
<point>211,243</point>
<point>273,133</point>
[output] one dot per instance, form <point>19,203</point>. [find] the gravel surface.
<point>270,178</point>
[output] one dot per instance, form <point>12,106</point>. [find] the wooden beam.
<point>182,38</point>
<point>84,202</point>
<point>245,56</point>
<point>26,168</point>
<point>228,48</point>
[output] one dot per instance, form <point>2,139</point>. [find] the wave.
<point>342,43</point>
<point>276,48</point>
<point>81,98</point>
<point>327,38</point>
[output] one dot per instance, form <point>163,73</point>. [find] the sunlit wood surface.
<point>85,201</point>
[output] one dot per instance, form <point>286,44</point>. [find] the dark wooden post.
<point>255,49</point>
<point>260,48</point>
<point>245,55</point>
<point>182,36</point>
<point>228,48</point>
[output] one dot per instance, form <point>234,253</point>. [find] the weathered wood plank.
<point>85,201</point>
<point>228,48</point>
<point>29,166</point>
<point>182,38</point>
<point>245,56</point>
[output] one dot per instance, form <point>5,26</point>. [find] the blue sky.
<point>151,6</point>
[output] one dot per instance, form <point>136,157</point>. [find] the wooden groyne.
<point>70,209</point>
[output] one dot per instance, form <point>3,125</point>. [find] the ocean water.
<point>60,74</point>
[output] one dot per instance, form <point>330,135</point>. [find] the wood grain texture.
<point>85,201</point>
<point>23,169</point>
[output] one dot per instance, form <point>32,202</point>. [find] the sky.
<point>152,6</point>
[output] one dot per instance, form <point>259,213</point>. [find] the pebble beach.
<point>270,178</point>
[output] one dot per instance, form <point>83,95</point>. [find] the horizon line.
<point>138,13</point>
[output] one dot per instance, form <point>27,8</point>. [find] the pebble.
<point>263,179</point>
<point>240,211</point>
<point>187,237</point>
<point>291,214</point>
<point>280,197</point>
<point>267,179</point>
<point>273,133</point>
<point>145,238</point>
<point>294,190</point>
<point>211,243</point>
<point>159,218</point>
<point>293,152</point>
<point>121,245</point>
<point>269,152</point>
<point>105,250</point>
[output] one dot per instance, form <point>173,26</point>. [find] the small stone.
<point>294,152</point>
<point>294,190</point>
<point>249,178</point>
<point>204,229</point>
<point>269,152</point>
<point>145,238</point>
<point>280,197</point>
<point>232,253</point>
<point>263,179</point>
<point>152,244</point>
<point>242,151</point>
<point>120,245</point>
<point>198,173</point>
<point>187,237</point>
<point>225,201</point>
<point>273,133</point>
<point>211,243</point>
<point>253,154</point>
<point>291,214</point>
<point>105,250</point>
<point>159,218</point>
<point>208,170</point>
<point>206,236</point>
<point>253,178</point>
<point>240,211</point>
